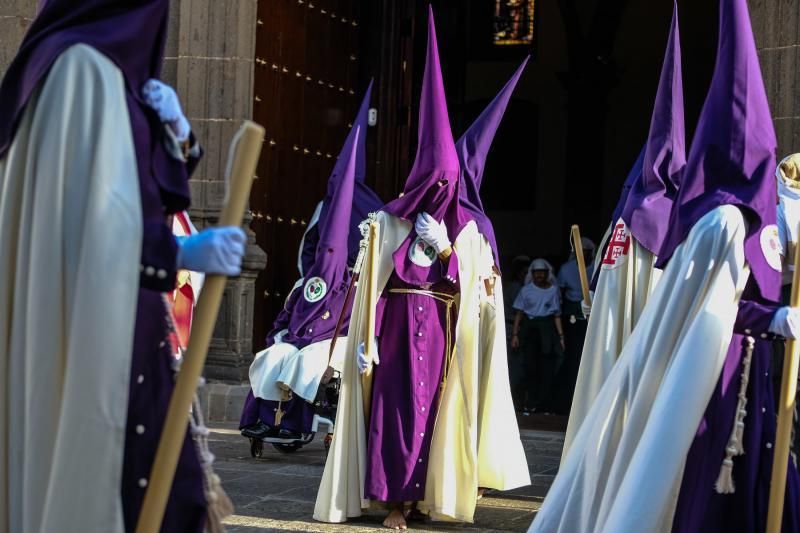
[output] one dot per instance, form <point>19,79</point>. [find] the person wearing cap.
<point>411,398</point>
<point>680,436</point>
<point>539,334</point>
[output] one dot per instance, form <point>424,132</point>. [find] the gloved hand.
<point>278,338</point>
<point>786,322</point>
<point>213,251</point>
<point>434,233</point>
<point>164,100</point>
<point>361,357</point>
<point>587,309</point>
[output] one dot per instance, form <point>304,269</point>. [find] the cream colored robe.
<point>623,471</point>
<point>456,465</point>
<point>619,299</point>
<point>70,241</point>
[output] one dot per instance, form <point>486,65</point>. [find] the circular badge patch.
<point>421,253</point>
<point>771,246</point>
<point>315,289</point>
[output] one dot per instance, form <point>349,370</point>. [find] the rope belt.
<point>449,300</point>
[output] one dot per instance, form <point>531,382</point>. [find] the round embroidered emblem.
<point>421,253</point>
<point>618,246</point>
<point>315,289</point>
<point>770,246</point>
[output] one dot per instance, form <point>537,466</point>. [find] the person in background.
<point>516,361</point>
<point>569,282</point>
<point>539,334</point>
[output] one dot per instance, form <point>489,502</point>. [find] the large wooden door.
<point>306,91</point>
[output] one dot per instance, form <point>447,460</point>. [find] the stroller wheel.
<point>256,448</point>
<point>287,448</point>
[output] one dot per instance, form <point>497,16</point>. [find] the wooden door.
<point>306,93</point>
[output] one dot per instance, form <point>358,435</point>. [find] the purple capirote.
<point>732,157</point>
<point>473,149</point>
<point>652,194</point>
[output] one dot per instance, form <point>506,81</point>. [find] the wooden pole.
<point>577,245</point>
<point>243,158</point>
<point>372,295</point>
<point>777,487</point>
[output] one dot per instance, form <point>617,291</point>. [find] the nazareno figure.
<point>95,155</point>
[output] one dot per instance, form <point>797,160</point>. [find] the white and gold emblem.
<point>315,289</point>
<point>421,253</point>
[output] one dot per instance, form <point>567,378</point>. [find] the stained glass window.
<point>513,22</point>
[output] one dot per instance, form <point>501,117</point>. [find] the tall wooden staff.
<point>369,320</point>
<point>243,158</point>
<point>777,487</point>
<point>577,245</point>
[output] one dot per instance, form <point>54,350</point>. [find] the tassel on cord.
<point>219,504</point>
<point>735,447</point>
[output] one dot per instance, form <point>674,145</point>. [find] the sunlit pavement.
<point>277,491</point>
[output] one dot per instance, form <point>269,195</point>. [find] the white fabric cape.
<point>476,400</point>
<point>282,367</point>
<point>619,299</point>
<point>70,245</point>
<point>623,471</point>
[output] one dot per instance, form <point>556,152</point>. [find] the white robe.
<point>623,288</point>
<point>457,464</point>
<point>624,468</point>
<point>70,245</point>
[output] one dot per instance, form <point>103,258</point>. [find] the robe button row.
<point>140,379</point>
<point>763,335</point>
<point>419,334</point>
<point>150,271</point>
<point>142,483</point>
<point>140,429</point>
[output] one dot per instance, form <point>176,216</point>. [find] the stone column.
<point>209,59</point>
<point>776,24</point>
<point>15,17</point>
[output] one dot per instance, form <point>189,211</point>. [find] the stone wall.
<point>15,17</point>
<point>776,24</point>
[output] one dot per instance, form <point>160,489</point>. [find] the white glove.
<point>278,338</point>
<point>361,357</point>
<point>786,322</point>
<point>164,100</point>
<point>586,309</point>
<point>434,233</point>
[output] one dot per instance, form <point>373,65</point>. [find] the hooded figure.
<point>365,201</point>
<point>284,377</point>
<point>407,421</point>
<point>89,137</point>
<point>627,276</point>
<point>661,447</point>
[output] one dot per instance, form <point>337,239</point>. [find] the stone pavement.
<point>277,491</point>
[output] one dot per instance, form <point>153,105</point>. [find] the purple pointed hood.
<point>132,35</point>
<point>365,201</point>
<point>473,148</point>
<point>633,175</point>
<point>652,194</point>
<point>733,152</point>
<point>315,310</point>
<point>432,184</point>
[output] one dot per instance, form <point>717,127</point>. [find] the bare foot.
<point>395,520</point>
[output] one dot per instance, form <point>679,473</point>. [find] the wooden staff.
<point>243,158</point>
<point>577,245</point>
<point>777,487</point>
<point>372,295</point>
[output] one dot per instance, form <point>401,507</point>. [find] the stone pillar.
<point>209,59</point>
<point>776,24</point>
<point>15,17</point>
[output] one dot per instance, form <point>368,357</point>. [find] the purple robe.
<point>405,392</point>
<point>700,507</point>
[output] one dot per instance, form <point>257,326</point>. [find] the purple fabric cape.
<point>132,35</point>
<point>432,184</point>
<point>651,196</point>
<point>732,158</point>
<point>308,322</point>
<point>473,148</point>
